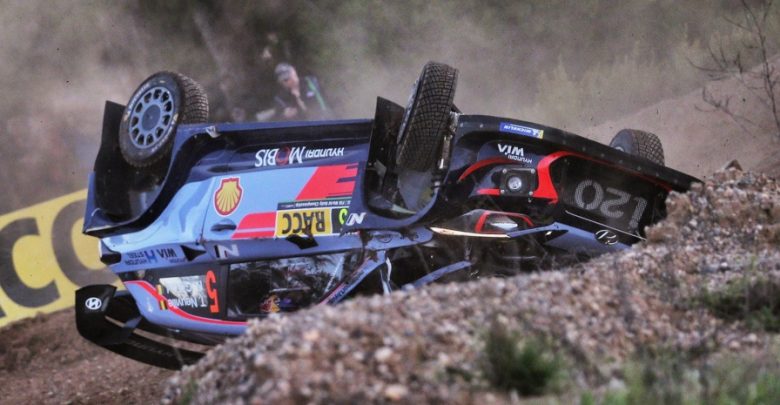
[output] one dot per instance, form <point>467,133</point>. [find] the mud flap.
<point>109,319</point>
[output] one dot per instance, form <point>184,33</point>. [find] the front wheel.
<point>639,143</point>
<point>156,108</point>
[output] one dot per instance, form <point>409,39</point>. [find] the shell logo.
<point>227,196</point>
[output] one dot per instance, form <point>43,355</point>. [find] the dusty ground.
<point>698,140</point>
<point>43,360</point>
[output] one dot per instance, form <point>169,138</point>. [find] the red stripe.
<point>489,191</point>
<point>252,235</point>
<point>483,163</point>
<point>546,189</point>
<point>330,181</point>
<point>258,220</point>
<point>257,225</point>
<point>481,222</point>
<point>174,309</point>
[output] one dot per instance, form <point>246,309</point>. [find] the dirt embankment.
<point>426,346</point>
<point>44,360</point>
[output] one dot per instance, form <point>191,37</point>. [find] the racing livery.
<point>208,225</point>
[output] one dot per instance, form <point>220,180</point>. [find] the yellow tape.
<point>44,258</point>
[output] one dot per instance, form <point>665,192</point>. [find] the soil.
<point>43,360</point>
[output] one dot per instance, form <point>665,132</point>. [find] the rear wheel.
<point>426,117</point>
<point>157,107</point>
<point>639,143</point>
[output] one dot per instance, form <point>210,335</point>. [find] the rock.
<point>395,392</point>
<point>383,354</point>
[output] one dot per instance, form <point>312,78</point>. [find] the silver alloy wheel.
<point>151,117</point>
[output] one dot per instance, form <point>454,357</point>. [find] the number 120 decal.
<point>610,202</point>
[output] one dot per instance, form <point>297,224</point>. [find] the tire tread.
<point>429,118</point>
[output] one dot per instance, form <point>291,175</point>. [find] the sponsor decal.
<point>270,305</point>
<point>307,222</point>
<point>228,196</point>
<point>607,237</point>
<point>153,257</point>
<point>521,130</point>
<point>514,152</point>
<point>293,155</point>
<point>341,216</point>
<point>356,218</point>
<point>45,258</point>
<point>224,252</point>
<point>294,205</point>
<point>93,303</point>
<point>310,217</point>
<point>185,292</point>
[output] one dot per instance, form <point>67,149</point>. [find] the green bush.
<point>527,365</point>
<point>666,380</point>
<point>755,301</point>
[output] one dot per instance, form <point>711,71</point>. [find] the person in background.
<point>299,99</point>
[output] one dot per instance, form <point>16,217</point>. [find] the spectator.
<point>298,99</point>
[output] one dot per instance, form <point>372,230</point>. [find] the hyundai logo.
<point>93,303</point>
<point>606,237</point>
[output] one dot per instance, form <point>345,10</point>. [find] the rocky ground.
<point>428,345</point>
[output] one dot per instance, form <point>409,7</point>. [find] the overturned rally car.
<point>208,225</point>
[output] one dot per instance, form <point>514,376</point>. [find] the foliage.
<point>758,47</point>
<point>754,300</point>
<point>529,366</point>
<point>190,390</point>
<point>673,381</point>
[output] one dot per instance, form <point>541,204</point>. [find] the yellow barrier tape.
<point>44,258</point>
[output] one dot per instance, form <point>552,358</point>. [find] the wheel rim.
<point>151,118</point>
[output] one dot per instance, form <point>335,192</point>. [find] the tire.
<point>426,117</point>
<point>159,105</point>
<point>639,143</point>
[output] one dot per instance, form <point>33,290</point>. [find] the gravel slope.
<point>426,345</point>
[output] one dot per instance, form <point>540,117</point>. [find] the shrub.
<point>733,380</point>
<point>529,366</point>
<point>755,301</point>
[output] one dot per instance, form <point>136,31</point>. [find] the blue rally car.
<point>208,225</point>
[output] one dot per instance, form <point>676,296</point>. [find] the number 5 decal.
<point>211,279</point>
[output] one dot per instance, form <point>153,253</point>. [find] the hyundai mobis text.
<point>208,225</point>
